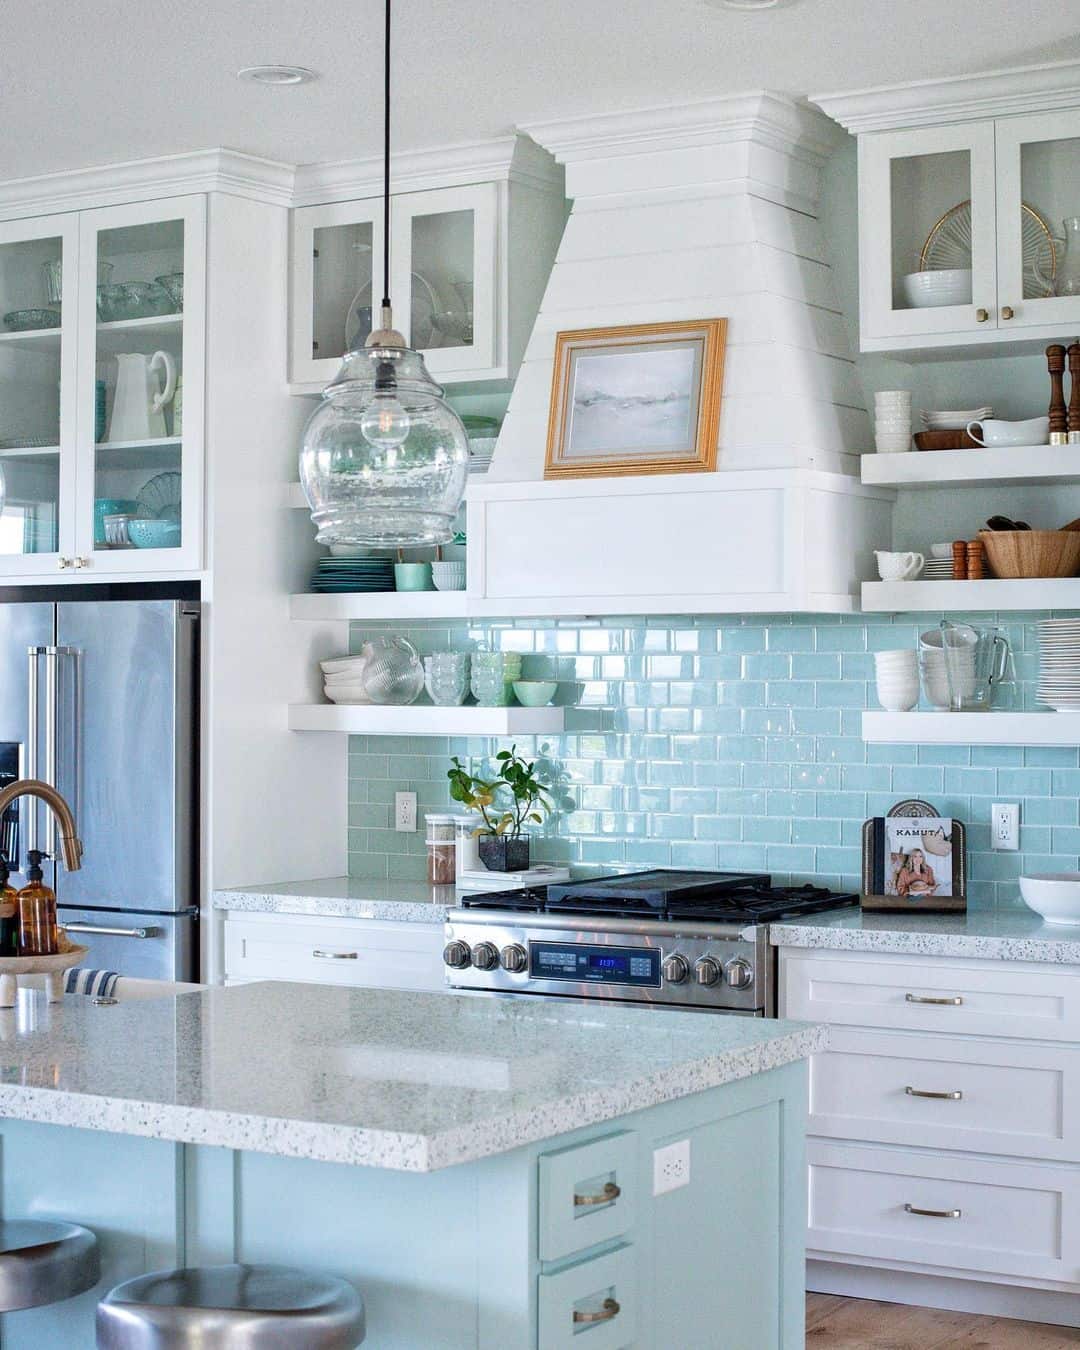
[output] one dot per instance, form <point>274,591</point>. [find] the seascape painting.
<point>634,399</point>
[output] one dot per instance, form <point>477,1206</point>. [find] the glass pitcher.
<point>1066,280</point>
<point>978,665</point>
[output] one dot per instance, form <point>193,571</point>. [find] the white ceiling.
<point>114,80</point>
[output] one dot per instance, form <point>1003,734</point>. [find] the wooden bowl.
<point>1032,553</point>
<point>945,440</point>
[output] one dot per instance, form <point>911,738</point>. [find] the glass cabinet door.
<point>931,267</point>
<point>38,278</point>
<point>444,275</point>
<point>140,402</point>
<point>1038,174</point>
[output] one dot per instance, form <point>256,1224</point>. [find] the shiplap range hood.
<point>701,211</point>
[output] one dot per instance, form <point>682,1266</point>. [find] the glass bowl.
<point>26,320</point>
<point>132,300</point>
<point>172,283</point>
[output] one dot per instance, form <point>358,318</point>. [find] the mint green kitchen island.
<point>483,1170</point>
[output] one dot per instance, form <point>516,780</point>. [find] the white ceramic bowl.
<point>1054,895</point>
<point>448,576</point>
<point>340,665</point>
<point>346,693</point>
<point>946,286</point>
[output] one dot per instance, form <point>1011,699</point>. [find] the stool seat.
<point>231,1308</point>
<point>43,1261</point>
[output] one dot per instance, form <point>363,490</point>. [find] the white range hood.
<point>707,210</point>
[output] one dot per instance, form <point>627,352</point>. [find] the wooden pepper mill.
<point>1074,393</point>
<point>1059,417</point>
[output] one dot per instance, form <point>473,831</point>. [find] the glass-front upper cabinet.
<point>140,414</point>
<point>38,346</point>
<point>1038,232</point>
<point>928,257</point>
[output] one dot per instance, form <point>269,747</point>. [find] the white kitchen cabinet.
<point>472,245</point>
<point>59,459</point>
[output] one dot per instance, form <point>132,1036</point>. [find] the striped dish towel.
<point>101,983</point>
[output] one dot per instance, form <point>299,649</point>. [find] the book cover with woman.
<point>918,852</point>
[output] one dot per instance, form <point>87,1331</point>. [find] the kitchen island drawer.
<point>913,993</point>
<point>949,1092</point>
<point>592,1304</point>
<point>944,1212</point>
<point>587,1194</point>
<point>371,953</point>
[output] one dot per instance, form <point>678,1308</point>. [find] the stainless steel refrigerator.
<point>100,698</point>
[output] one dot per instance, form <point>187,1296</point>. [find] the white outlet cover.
<point>1005,825</point>
<point>405,812</point>
<point>671,1167</point>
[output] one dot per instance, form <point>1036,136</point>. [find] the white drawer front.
<point>948,1092</point>
<point>931,994</point>
<point>365,952</point>
<point>1004,1218</point>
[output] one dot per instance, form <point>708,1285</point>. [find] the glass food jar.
<point>441,849</point>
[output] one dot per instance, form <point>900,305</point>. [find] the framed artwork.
<point>639,399</point>
<point>914,860</point>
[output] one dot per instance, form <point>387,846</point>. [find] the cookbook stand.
<point>52,967</point>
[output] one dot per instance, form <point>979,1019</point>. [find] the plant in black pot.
<point>505,804</point>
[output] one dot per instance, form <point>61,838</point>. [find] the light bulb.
<point>385,422</point>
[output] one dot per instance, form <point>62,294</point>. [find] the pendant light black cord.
<point>386,165</point>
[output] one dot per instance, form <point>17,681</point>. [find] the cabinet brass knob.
<point>63,564</point>
<point>982,315</point>
<point>1006,311</point>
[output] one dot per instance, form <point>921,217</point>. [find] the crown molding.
<point>965,98</point>
<point>227,171</point>
<point>513,158</point>
<point>767,119</point>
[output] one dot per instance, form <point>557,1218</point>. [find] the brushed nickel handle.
<point>64,563</point>
<point>933,1213</point>
<point>953,1002</point>
<point>111,932</point>
<point>935,1096</point>
<point>1007,311</point>
<point>320,955</point>
<point>611,1309</point>
<point>609,1193</point>
<point>981,315</point>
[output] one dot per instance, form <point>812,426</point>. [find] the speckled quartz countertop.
<point>407,1081</point>
<point>345,898</point>
<point>995,936</point>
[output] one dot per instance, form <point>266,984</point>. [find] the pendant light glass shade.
<point>384,459</point>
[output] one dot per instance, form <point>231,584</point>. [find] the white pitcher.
<point>139,402</point>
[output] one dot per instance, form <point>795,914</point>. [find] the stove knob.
<point>739,973</point>
<point>515,958</point>
<point>456,955</point>
<point>707,971</point>
<point>485,956</point>
<point>676,969</point>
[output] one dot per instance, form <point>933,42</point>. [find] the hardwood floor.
<point>835,1323</point>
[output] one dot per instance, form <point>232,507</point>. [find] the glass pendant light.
<point>385,459</point>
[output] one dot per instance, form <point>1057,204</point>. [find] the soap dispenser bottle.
<point>9,912</point>
<point>38,934</point>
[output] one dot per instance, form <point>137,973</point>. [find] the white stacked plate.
<point>1059,664</point>
<point>955,419</point>
<point>937,569</point>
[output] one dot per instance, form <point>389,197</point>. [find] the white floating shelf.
<point>972,728</point>
<point>1017,466</point>
<point>376,605</point>
<point>421,719</point>
<point>1038,593</point>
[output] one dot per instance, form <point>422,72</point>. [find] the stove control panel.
<point>597,964</point>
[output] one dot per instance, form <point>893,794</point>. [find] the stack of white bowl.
<point>897,675</point>
<point>935,678</point>
<point>892,420</point>
<point>941,286</point>
<point>341,679</point>
<point>953,419</point>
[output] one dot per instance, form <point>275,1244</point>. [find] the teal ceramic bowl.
<point>412,576</point>
<point>535,693</point>
<point>154,533</point>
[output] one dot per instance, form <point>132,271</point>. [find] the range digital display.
<point>600,964</point>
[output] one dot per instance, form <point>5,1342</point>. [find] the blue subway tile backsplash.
<point>729,742</point>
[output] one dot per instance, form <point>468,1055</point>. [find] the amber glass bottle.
<point>9,913</point>
<point>37,913</point>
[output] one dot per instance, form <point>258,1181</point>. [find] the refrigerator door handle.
<point>111,932</point>
<point>28,805</point>
<point>52,735</point>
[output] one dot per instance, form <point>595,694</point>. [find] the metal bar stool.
<point>44,1261</point>
<point>231,1308</point>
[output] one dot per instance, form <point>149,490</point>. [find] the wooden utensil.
<point>1032,553</point>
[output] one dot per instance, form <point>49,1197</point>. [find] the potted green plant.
<point>504,803</point>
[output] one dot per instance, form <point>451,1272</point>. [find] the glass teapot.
<point>1066,280</point>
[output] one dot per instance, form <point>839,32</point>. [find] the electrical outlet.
<point>1005,825</point>
<point>405,812</point>
<point>671,1167</point>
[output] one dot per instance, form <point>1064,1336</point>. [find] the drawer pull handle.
<point>609,1193</point>
<point>953,1002</point>
<point>320,955</point>
<point>935,1096</point>
<point>610,1310</point>
<point>933,1213</point>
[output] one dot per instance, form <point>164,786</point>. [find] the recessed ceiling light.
<point>277,74</point>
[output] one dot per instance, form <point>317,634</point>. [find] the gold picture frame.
<point>635,415</point>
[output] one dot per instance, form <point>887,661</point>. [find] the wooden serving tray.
<point>945,440</point>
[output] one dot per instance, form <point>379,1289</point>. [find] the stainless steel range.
<point>691,940</point>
